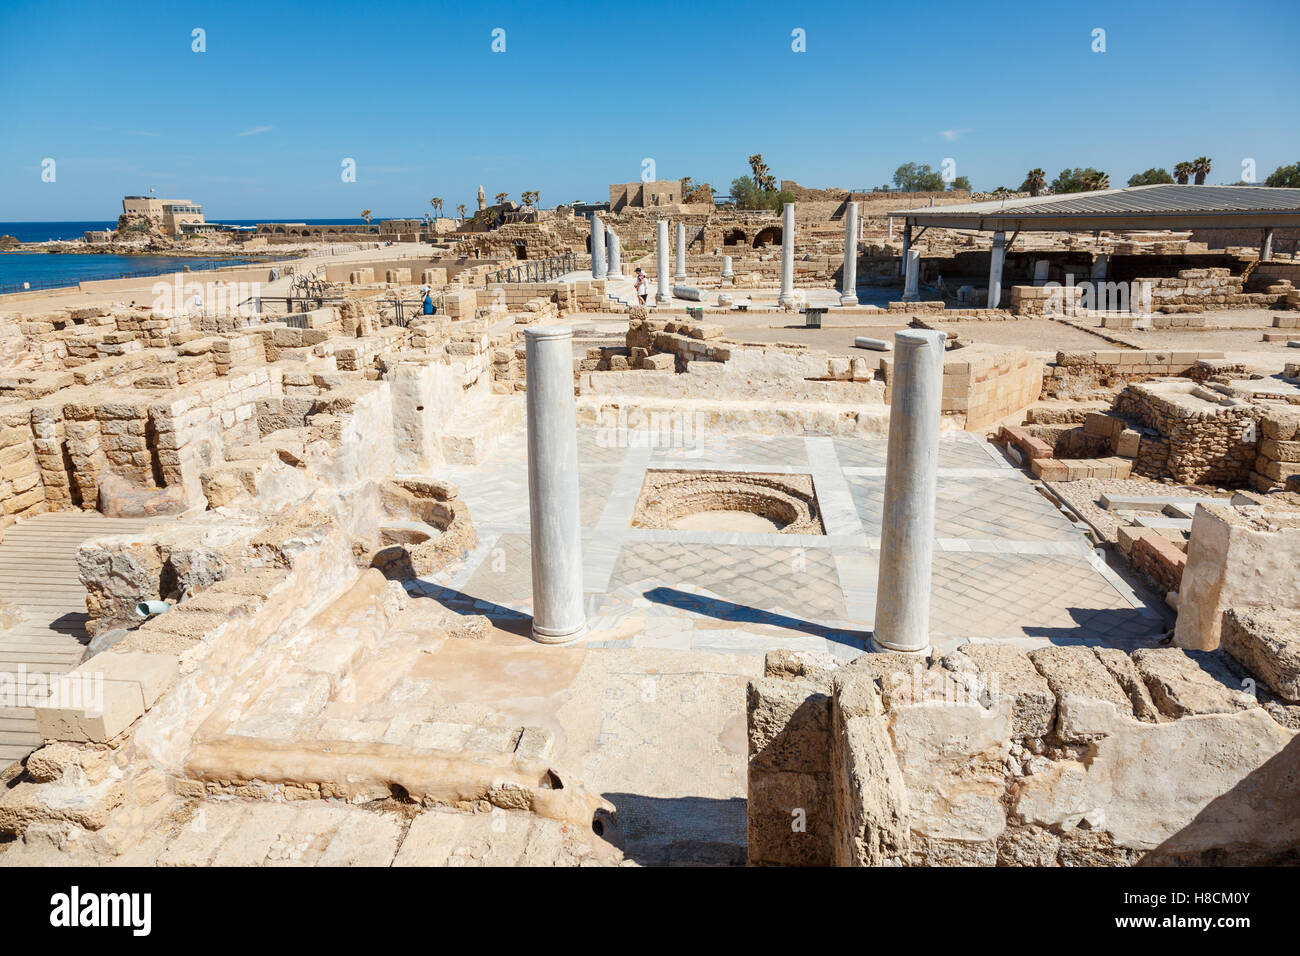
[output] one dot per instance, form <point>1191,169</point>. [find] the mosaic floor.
<point>1008,565</point>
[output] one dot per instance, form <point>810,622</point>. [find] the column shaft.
<point>995,269</point>
<point>912,275</point>
<point>661,262</point>
<point>911,481</point>
<point>553,511</point>
<point>849,282</point>
<point>680,272</point>
<point>615,269</point>
<point>787,255</point>
<point>598,266</point>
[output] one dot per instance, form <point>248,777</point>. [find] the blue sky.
<point>259,124</point>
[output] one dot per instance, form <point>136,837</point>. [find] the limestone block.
<point>83,707</point>
<point>1183,683</point>
<point>1088,698</point>
<point>1005,671</point>
<point>1266,641</point>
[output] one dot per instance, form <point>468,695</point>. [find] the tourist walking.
<point>642,287</point>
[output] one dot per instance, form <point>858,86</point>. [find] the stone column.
<point>1266,246</point>
<point>1042,269</point>
<point>679,274</point>
<point>787,256</point>
<point>728,274</point>
<point>597,247</point>
<point>995,269</point>
<point>661,262</point>
<point>615,270</point>
<point>912,276</point>
<point>553,512</point>
<point>849,284</point>
<point>911,482</point>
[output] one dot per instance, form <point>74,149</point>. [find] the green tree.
<point>1285,177</point>
<point>1182,173</point>
<point>917,178</point>
<point>1152,177</point>
<point>762,176</point>
<point>1034,182</point>
<point>1080,180</point>
<point>961,182</point>
<point>746,194</point>
<point>1201,166</point>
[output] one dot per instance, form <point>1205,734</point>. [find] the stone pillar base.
<point>848,300</point>
<point>877,648</point>
<point>543,636</point>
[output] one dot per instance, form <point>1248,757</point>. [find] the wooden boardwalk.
<point>38,573</point>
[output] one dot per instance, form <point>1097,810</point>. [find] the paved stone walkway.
<point>1008,565</point>
<point>38,574</point>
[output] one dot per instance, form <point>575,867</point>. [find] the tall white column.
<point>787,255</point>
<point>680,272</point>
<point>995,268</point>
<point>615,270</point>
<point>912,275</point>
<point>849,283</point>
<point>597,247</point>
<point>1266,246</point>
<point>661,262</point>
<point>553,512</point>
<point>911,482</point>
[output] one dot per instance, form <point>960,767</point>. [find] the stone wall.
<point>1211,439</point>
<point>1279,447</point>
<point>983,383</point>
<point>1236,556</point>
<point>994,756</point>
<point>1103,373</point>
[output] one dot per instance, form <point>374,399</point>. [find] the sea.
<point>43,270</point>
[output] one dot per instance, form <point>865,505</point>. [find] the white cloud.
<point>255,130</point>
<point>952,134</point>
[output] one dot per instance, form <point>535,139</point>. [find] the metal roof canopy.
<point>1165,206</point>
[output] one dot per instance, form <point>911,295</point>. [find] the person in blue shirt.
<point>428,303</point>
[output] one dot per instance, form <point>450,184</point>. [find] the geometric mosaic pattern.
<point>1008,565</point>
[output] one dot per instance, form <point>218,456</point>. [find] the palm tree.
<point>1182,172</point>
<point>436,203</point>
<point>1099,181</point>
<point>762,177</point>
<point>366,215</point>
<point>501,198</point>
<point>530,196</point>
<point>1201,169</point>
<point>1035,180</point>
<point>461,209</point>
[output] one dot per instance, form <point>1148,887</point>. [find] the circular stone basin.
<point>734,502</point>
<point>723,520</point>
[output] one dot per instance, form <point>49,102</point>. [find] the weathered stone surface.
<point>868,798</point>
<point>789,726</point>
<point>1183,683</point>
<point>1005,671</point>
<point>1266,641</point>
<point>1126,674</point>
<point>1087,696</point>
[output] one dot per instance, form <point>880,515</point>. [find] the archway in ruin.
<point>771,236</point>
<point>735,237</point>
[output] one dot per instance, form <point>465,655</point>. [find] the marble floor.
<point>1008,566</point>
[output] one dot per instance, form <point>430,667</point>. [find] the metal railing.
<point>539,270</point>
